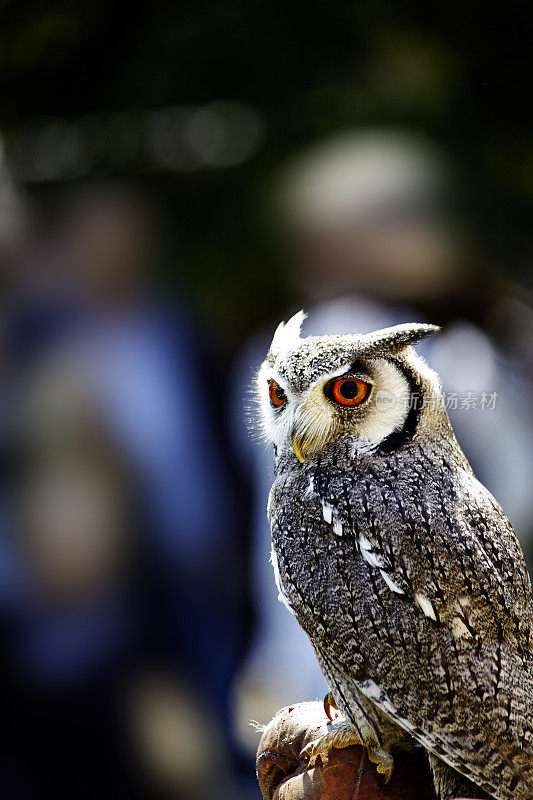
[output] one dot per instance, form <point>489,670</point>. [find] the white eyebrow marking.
<point>336,374</point>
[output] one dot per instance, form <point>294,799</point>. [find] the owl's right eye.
<point>277,396</point>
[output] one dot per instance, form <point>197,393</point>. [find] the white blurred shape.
<point>357,173</point>
<point>178,138</point>
<point>224,133</point>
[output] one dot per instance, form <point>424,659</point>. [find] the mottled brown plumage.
<point>400,566</point>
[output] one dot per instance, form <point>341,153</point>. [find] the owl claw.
<point>340,734</point>
<point>384,761</point>
<point>331,708</point>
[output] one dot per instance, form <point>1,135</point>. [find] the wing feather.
<point>464,687</point>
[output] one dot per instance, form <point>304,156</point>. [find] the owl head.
<point>369,390</point>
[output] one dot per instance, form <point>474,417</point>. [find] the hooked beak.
<point>298,445</point>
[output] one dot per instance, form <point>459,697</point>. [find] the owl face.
<point>362,388</point>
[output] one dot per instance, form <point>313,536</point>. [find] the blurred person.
<point>369,213</point>
<point>151,366</point>
<point>140,366</point>
<point>72,502</point>
<point>371,240</point>
<point>68,626</point>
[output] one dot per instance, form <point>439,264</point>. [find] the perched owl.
<point>399,565</point>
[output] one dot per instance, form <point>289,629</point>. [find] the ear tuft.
<point>287,334</point>
<point>397,338</point>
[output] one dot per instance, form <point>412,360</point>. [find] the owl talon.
<point>384,761</point>
<point>331,708</point>
<point>340,734</point>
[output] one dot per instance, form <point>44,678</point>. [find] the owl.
<point>399,565</point>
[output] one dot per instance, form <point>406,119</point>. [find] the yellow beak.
<point>298,448</point>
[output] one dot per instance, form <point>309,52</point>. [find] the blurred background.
<point>174,180</point>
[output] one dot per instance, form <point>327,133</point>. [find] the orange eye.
<point>277,395</point>
<point>350,391</point>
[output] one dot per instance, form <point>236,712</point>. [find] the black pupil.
<point>349,390</point>
<point>280,394</point>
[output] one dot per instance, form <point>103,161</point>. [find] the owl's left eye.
<point>277,396</point>
<point>349,391</point>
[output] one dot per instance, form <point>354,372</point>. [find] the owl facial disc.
<point>315,391</point>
